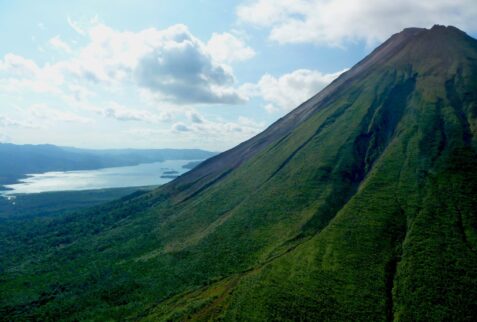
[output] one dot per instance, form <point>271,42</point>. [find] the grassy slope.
<point>366,211</point>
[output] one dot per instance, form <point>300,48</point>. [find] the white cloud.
<point>225,47</point>
<point>286,92</point>
<point>79,93</point>
<point>18,66</point>
<point>202,127</point>
<point>179,68</point>
<point>195,117</point>
<point>209,134</point>
<point>170,63</point>
<point>75,26</point>
<point>180,127</point>
<point>4,137</point>
<point>18,74</point>
<point>9,122</point>
<point>169,72</point>
<point>199,130</point>
<point>43,112</point>
<point>213,135</point>
<point>57,43</point>
<point>122,113</point>
<point>335,22</point>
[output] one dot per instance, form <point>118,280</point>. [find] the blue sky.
<point>206,74</point>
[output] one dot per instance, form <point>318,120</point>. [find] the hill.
<point>359,205</point>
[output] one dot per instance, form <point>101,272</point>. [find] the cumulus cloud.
<point>335,22</point>
<point>169,71</point>
<point>181,70</point>
<point>171,63</point>
<point>225,47</point>
<point>286,92</point>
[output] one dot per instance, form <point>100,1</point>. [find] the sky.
<point>184,74</point>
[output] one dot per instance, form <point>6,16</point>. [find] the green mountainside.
<point>359,205</point>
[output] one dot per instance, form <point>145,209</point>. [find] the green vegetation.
<point>47,204</point>
<point>365,210</point>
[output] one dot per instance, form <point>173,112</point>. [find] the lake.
<point>146,174</point>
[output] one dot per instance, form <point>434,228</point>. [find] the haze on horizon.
<point>148,74</point>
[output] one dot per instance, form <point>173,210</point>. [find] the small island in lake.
<point>191,165</point>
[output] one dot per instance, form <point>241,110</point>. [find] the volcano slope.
<point>359,205</point>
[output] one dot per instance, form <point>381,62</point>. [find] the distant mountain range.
<point>359,205</point>
<point>18,160</point>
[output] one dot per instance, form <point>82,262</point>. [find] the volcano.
<point>359,205</point>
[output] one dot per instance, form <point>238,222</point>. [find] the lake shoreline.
<point>144,174</point>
